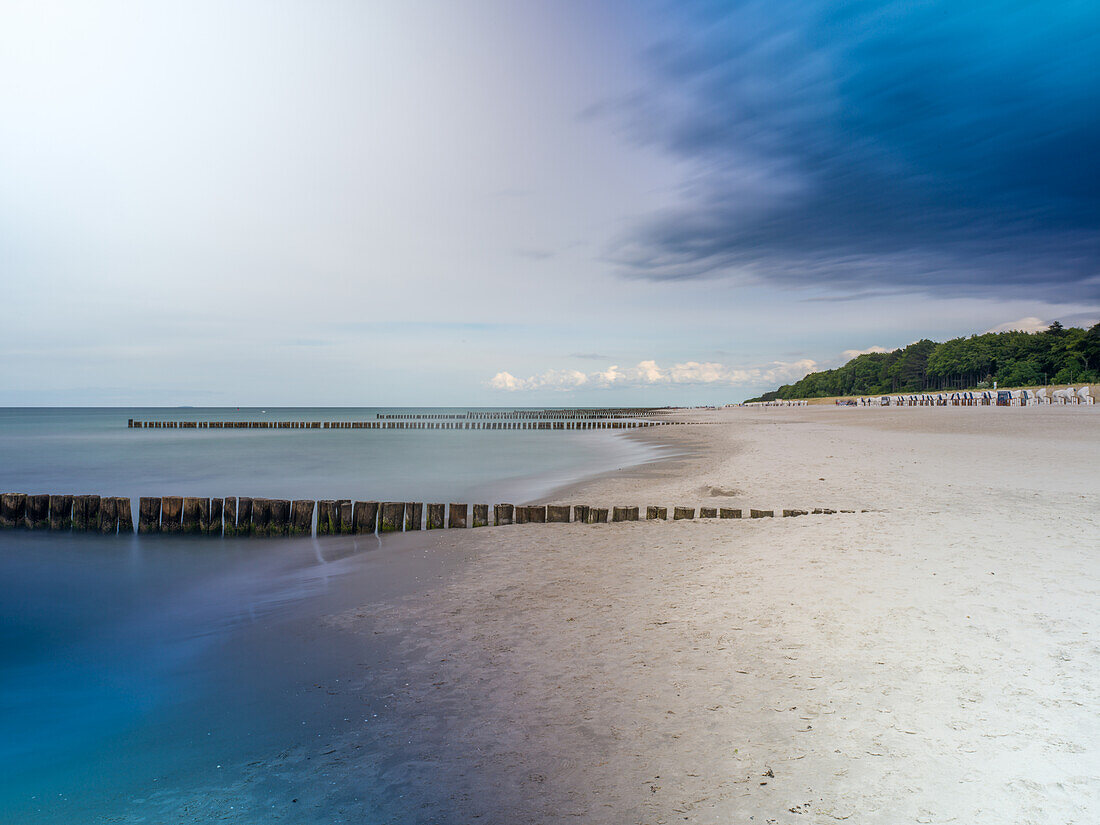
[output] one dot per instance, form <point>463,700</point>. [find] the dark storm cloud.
<point>943,147</point>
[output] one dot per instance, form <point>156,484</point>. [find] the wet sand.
<point>932,661</point>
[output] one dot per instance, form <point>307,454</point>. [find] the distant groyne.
<point>571,419</point>
<point>392,425</point>
<point>240,516</point>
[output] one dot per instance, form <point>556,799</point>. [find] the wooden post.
<point>599,515</point>
<point>536,514</point>
<point>91,510</point>
<point>522,515</point>
<point>683,513</point>
<point>230,515</point>
<point>393,513</point>
<point>345,517</point>
<point>301,517</point>
<point>624,514</point>
<point>125,516</point>
<point>38,512</point>
<point>80,514</point>
<point>364,517</point>
<point>708,512</point>
<point>61,512</point>
<point>761,513</point>
<point>726,512</point>
<point>280,517</point>
<point>13,510</point>
<point>503,514</point>
<point>171,514</point>
<point>414,515</point>
<point>580,513</point>
<point>244,516</point>
<point>261,516</point>
<point>192,515</point>
<point>557,513</point>
<point>108,516</point>
<point>456,515</point>
<point>481,515</point>
<point>212,526</point>
<point>793,513</point>
<point>656,512</point>
<point>437,516</point>
<point>326,517</point>
<point>148,515</point>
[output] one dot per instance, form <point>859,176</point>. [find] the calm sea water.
<point>136,670</point>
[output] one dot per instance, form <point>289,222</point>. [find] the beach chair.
<point>1084,396</point>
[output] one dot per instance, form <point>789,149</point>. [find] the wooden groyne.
<point>403,424</point>
<point>241,516</point>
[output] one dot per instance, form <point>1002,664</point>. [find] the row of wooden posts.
<point>283,517</point>
<point>391,425</point>
<point>576,414</point>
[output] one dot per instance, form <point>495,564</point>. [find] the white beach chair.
<point>1084,396</point>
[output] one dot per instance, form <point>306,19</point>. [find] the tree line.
<point>1056,355</point>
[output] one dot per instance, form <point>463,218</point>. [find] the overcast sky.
<point>517,203</point>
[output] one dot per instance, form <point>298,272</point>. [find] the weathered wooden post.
<point>61,512</point>
<point>523,515</point>
<point>393,513</point>
<point>230,515</point>
<point>761,513</point>
<point>503,514</point>
<point>599,515</point>
<point>108,515</point>
<point>580,513</point>
<point>261,516</point>
<point>280,517</point>
<point>624,514</point>
<point>793,513</point>
<point>125,516</point>
<point>301,517</point>
<point>726,512</point>
<point>192,516</point>
<point>326,517</point>
<point>456,515</point>
<point>481,515</point>
<point>171,514</point>
<point>437,516</point>
<point>364,517</point>
<point>38,512</point>
<point>345,517</point>
<point>414,515</point>
<point>708,512</point>
<point>80,514</point>
<point>91,510</point>
<point>212,518</point>
<point>656,512</point>
<point>557,513</point>
<point>679,513</point>
<point>148,515</point>
<point>536,514</point>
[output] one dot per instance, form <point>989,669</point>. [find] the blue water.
<point>136,670</point>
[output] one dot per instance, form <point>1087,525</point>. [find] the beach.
<point>931,660</point>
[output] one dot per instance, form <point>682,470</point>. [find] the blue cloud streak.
<point>938,146</point>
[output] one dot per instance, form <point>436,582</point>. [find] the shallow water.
<point>135,670</point>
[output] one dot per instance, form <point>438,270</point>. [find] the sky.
<point>530,203</point>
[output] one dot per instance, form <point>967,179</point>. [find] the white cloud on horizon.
<point>849,354</point>
<point>649,373</point>
<point>1029,324</point>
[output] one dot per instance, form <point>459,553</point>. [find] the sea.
<point>137,671</point>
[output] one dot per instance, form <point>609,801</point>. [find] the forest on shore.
<point>1056,355</point>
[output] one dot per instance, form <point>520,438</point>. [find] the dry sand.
<point>935,660</point>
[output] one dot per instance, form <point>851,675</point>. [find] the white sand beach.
<point>934,660</point>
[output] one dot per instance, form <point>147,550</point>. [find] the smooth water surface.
<point>134,669</point>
